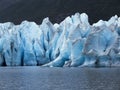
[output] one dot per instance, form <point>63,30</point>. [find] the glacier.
<point>72,43</point>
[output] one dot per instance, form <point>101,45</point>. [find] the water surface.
<point>40,78</point>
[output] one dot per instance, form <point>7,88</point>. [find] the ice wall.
<point>73,42</point>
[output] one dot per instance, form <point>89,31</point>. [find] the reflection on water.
<point>39,78</point>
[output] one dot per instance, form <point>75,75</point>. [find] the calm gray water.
<point>43,78</point>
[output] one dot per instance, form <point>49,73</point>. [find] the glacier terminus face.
<point>73,42</point>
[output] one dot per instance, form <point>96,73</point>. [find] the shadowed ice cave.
<point>73,42</point>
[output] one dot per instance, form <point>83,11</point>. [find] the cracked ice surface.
<point>73,42</point>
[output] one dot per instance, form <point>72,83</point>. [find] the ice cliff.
<point>73,42</point>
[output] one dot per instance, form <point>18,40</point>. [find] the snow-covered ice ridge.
<point>73,42</point>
